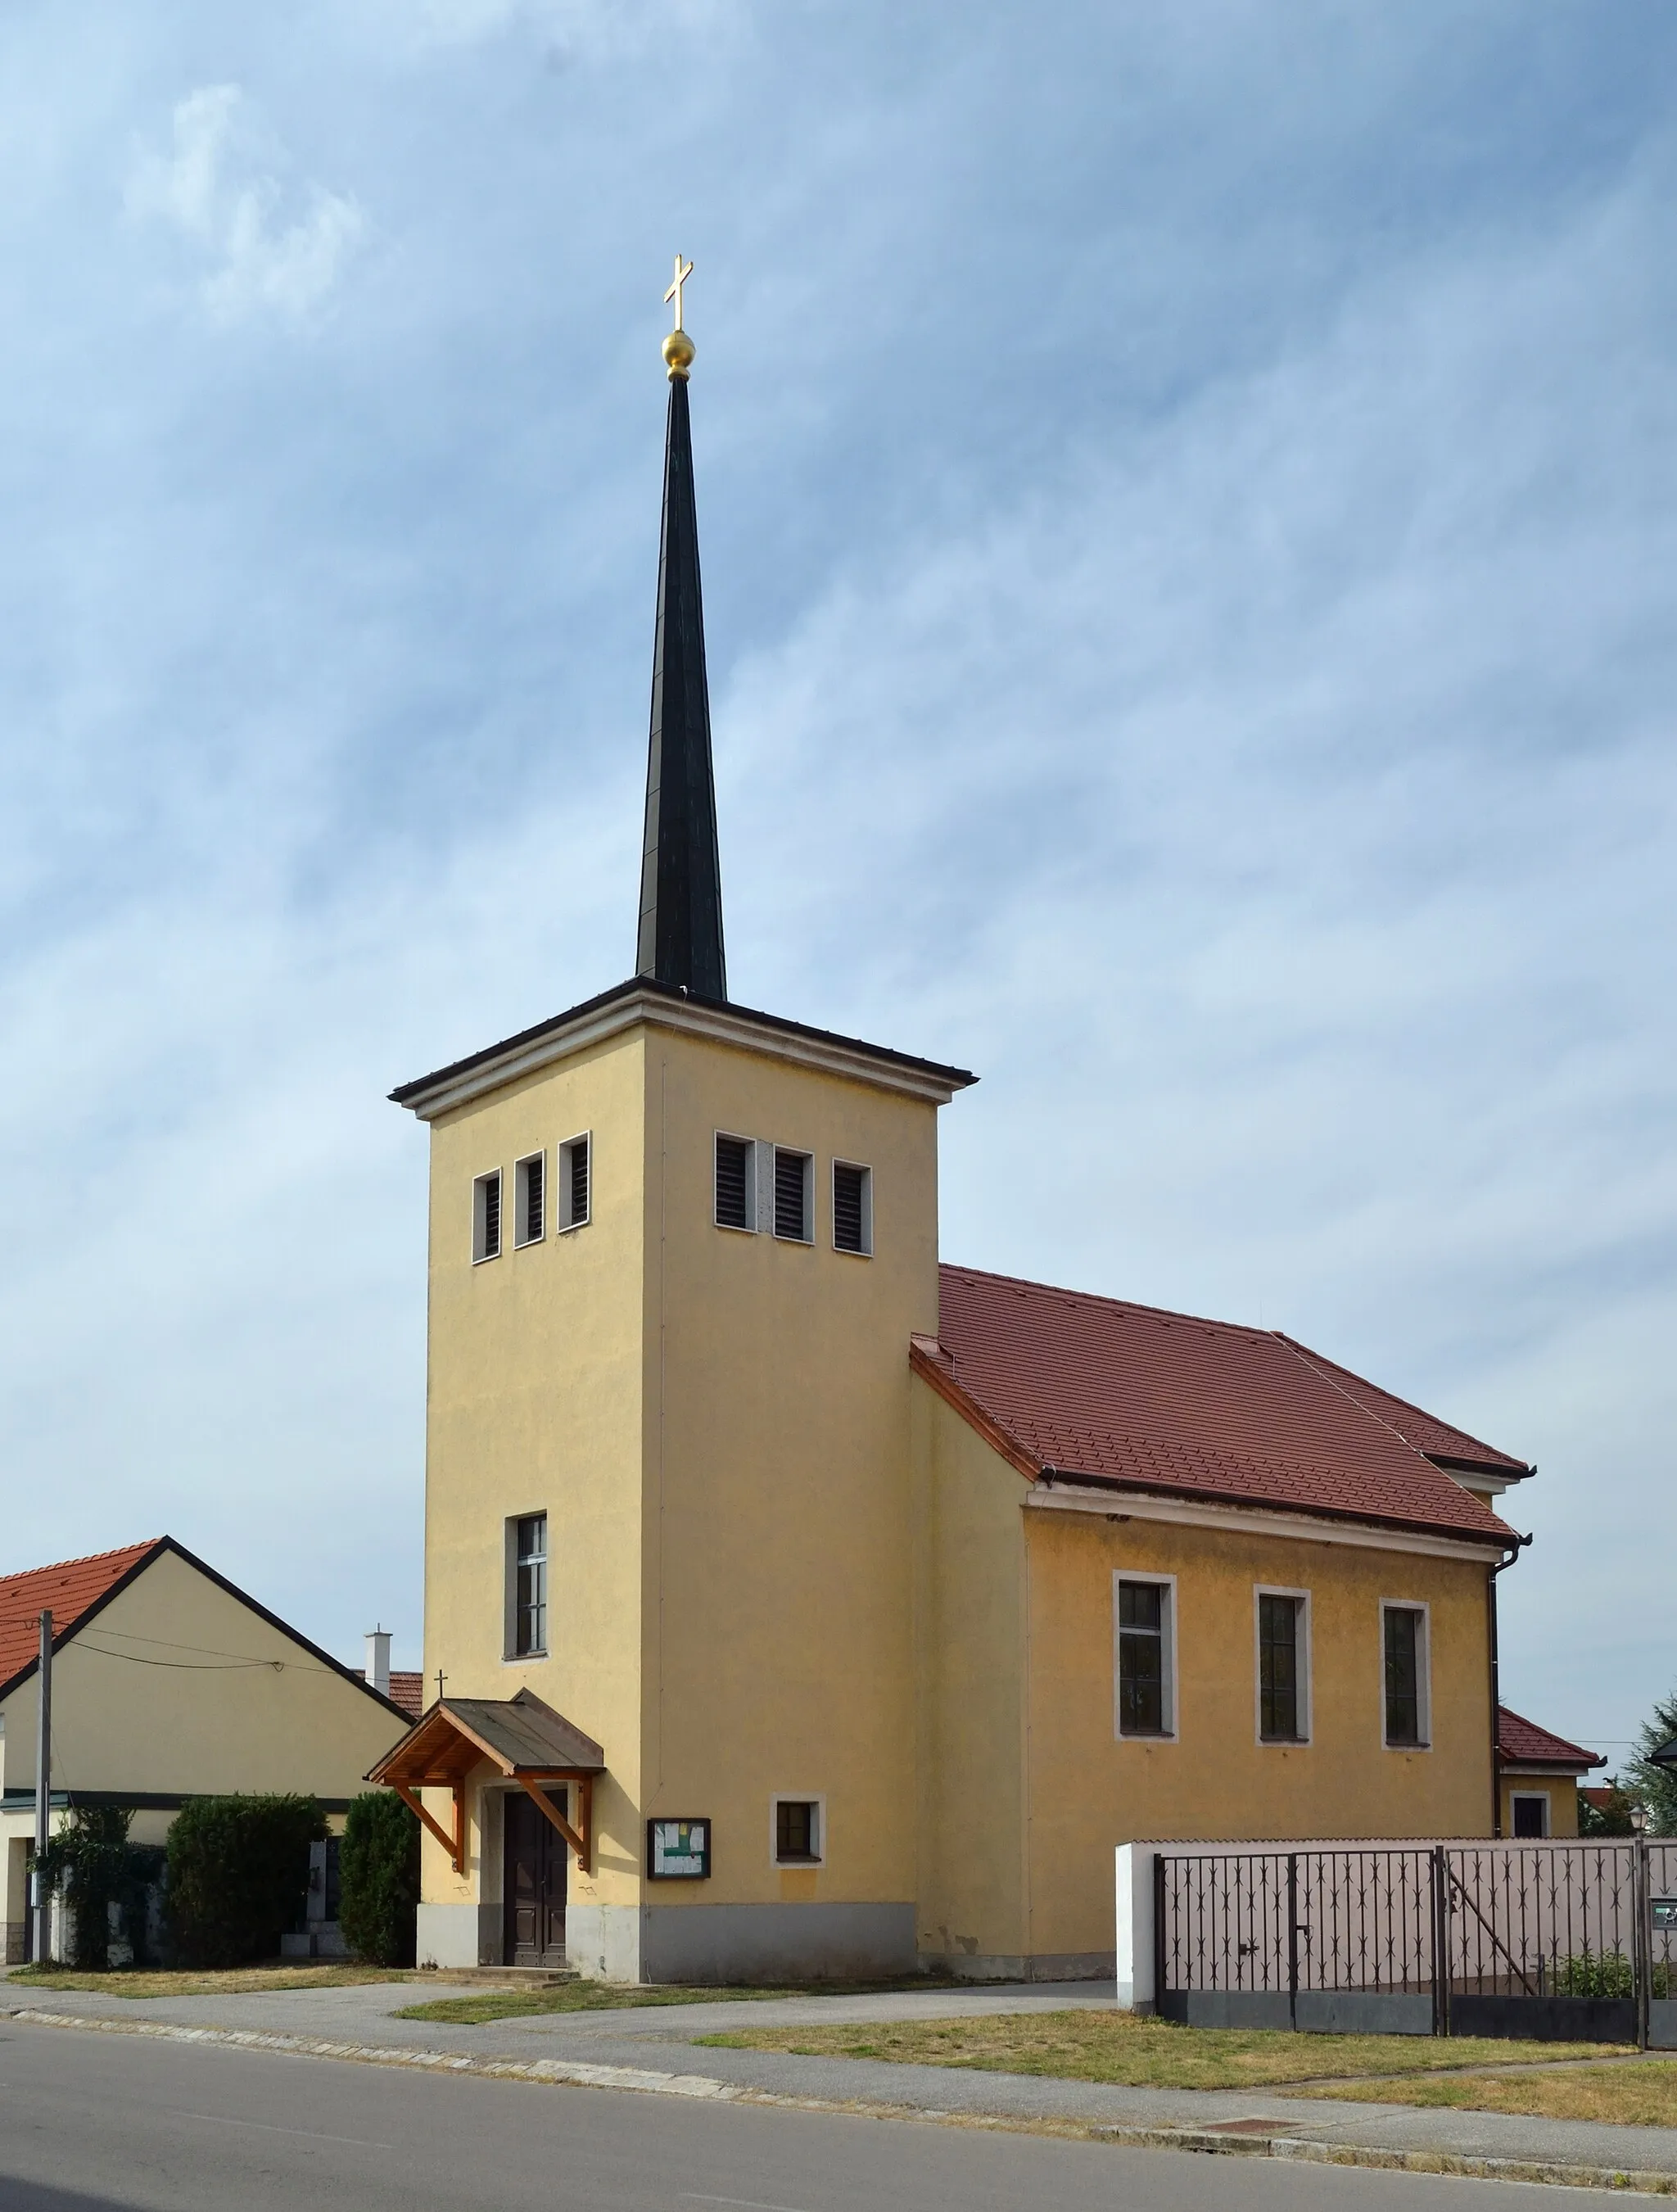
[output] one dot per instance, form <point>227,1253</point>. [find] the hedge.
<point>238,1875</point>
<point>378,1872</point>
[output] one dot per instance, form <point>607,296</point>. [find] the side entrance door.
<point>534,1884</point>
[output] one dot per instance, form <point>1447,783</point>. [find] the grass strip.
<point>1142,2053</point>
<point>238,1981</point>
<point>1640,2093</point>
<point>475,2008</point>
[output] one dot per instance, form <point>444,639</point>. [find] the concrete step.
<point>523,1978</point>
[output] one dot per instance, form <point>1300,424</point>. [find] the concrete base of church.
<point>1044,1966</point>
<point>459,1936</point>
<point>705,1943</point>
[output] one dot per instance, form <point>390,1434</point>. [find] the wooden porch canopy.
<point>529,1742</point>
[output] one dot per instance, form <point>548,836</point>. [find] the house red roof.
<point>406,1690</point>
<point>1102,1390</point>
<point>68,1590</point>
<point>1525,1744</point>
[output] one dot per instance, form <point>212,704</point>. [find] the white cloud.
<point>268,247</point>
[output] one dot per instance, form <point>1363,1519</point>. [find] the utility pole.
<point>43,1787</point>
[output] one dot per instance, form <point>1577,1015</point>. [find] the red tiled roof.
<point>1099,1388</point>
<point>1528,1745</point>
<point>406,1690</point>
<point>1437,1438</point>
<point>69,1590</point>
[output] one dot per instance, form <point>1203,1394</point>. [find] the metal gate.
<point>1556,1941</point>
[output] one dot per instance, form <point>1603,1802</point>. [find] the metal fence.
<point>1552,1940</point>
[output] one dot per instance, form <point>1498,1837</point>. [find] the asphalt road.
<point>90,2123</point>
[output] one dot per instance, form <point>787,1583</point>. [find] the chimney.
<point>378,1660</point>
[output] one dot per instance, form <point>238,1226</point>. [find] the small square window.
<point>852,1207</point>
<point>792,1195</point>
<point>529,1200</point>
<point>797,1831</point>
<point>736,1183</point>
<point>1531,1812</point>
<point>486,1217</point>
<point>527,1586</point>
<point>576,1172</point>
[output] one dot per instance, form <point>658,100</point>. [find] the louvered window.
<point>792,1196</point>
<point>1144,1700</point>
<point>1405,1636</point>
<point>486,1217</point>
<point>852,1207</point>
<point>734,1180</point>
<point>1280,1666</point>
<point>575,1162</point>
<point>529,1200</point>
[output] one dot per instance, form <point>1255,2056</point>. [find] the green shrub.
<point>238,1875</point>
<point>88,1861</point>
<point>377,1869</point>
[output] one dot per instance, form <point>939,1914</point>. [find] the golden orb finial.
<point>679,347</point>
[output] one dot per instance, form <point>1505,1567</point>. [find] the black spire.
<point>681,879</point>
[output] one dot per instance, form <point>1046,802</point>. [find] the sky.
<point>1187,492</point>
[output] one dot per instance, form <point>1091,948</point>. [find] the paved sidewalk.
<point>655,2046</point>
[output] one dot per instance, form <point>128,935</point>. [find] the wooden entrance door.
<point>534,1884</point>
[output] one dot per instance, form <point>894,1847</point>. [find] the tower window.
<point>527,1586</point>
<point>852,1207</point>
<point>735,1180</point>
<point>486,1217</point>
<point>792,1196</point>
<point>575,1162</point>
<point>530,1199</point>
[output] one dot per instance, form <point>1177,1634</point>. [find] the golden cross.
<point>683,270</point>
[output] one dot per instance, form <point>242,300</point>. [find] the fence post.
<point>1441,1941</point>
<point>1292,1939</point>
<point>1158,1933</point>
<point>1643,1954</point>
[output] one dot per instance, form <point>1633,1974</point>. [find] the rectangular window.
<point>736,1183</point>
<point>1146,1698</point>
<point>486,1217</point>
<point>575,1161</point>
<point>1403,1635</point>
<point>792,1196</point>
<point>1531,1812</point>
<point>1283,1667</point>
<point>797,1831</point>
<point>529,1199</point>
<point>529,1638</point>
<point>852,1207</point>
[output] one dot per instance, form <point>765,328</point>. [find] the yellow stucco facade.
<point>780,1565</point>
<point>177,1688</point>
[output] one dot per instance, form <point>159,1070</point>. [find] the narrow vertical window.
<point>529,1200</point>
<point>575,1162</point>
<point>1405,1637</point>
<point>528,1638</point>
<point>792,1196</point>
<point>735,1181</point>
<point>1280,1666</point>
<point>1143,1659</point>
<point>852,1207</point>
<point>486,1217</point>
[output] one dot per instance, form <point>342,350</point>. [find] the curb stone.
<point>579,2074</point>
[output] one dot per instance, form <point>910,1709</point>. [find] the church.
<point>806,1607</point>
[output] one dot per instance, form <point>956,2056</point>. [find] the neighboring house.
<point>169,1682</point>
<point>1539,1778</point>
<point>803,1607</point>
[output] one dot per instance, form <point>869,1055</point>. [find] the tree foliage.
<point>238,1875</point>
<point>379,1879</point>
<point>90,1861</point>
<point>1656,1786</point>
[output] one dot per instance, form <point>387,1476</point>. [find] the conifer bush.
<point>238,1875</point>
<point>378,1870</point>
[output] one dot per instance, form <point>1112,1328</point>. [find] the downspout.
<point>1513,1553</point>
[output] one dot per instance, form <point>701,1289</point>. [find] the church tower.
<point>679,1249</point>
